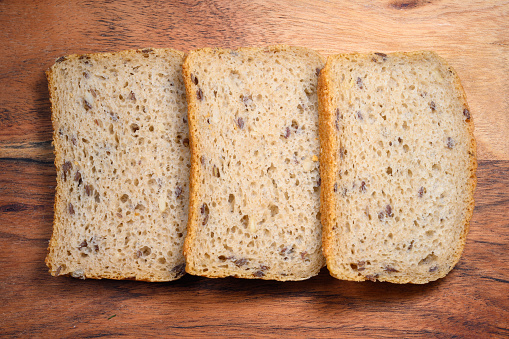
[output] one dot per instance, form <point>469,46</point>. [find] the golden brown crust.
<point>328,158</point>
<point>194,184</point>
<point>52,243</point>
<point>57,150</point>
<point>329,165</point>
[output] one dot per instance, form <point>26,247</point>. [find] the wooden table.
<point>472,301</point>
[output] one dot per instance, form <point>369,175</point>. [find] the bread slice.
<point>398,166</point>
<point>122,158</point>
<point>254,200</point>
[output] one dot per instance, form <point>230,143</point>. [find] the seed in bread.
<point>397,165</point>
<point>254,201</point>
<point>122,158</point>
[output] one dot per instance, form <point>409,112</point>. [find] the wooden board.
<point>472,301</point>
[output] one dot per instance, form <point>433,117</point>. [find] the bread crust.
<point>194,184</point>
<point>329,165</point>
<point>328,159</point>
<point>54,268</point>
<point>196,168</point>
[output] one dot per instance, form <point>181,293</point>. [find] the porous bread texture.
<point>254,199</point>
<point>397,165</point>
<point>122,158</point>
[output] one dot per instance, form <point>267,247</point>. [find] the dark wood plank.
<point>470,301</point>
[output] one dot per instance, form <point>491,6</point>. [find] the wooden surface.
<point>472,301</point>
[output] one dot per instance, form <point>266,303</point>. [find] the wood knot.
<point>408,4</point>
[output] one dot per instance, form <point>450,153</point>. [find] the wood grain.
<point>472,301</point>
<point>473,36</point>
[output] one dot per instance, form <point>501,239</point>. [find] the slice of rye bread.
<point>122,158</point>
<point>254,196</point>
<point>398,166</point>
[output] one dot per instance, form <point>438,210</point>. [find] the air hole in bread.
<point>134,128</point>
<point>429,259</point>
<point>244,221</point>
<point>145,251</point>
<point>231,201</point>
<point>274,210</point>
